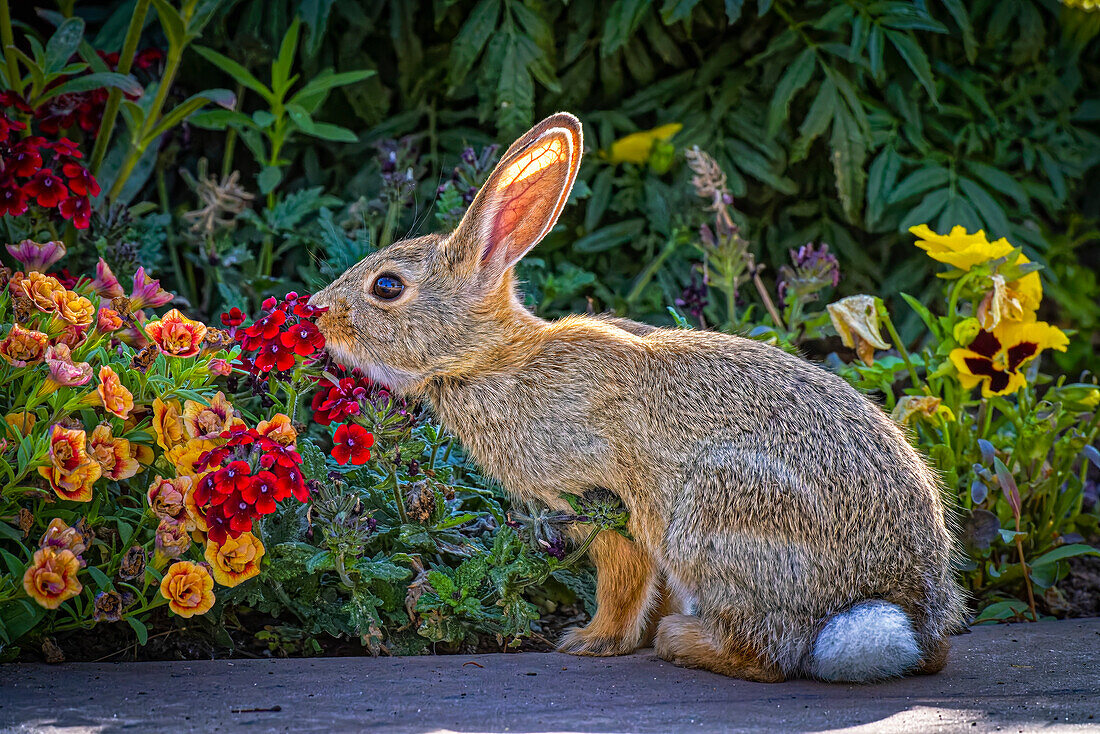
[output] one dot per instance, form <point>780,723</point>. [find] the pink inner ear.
<point>529,194</point>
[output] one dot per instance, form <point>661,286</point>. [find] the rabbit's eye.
<point>387,287</point>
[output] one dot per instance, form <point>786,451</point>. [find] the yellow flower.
<point>995,358</point>
<point>168,424</point>
<point>74,308</point>
<point>964,251</point>
<point>183,457</point>
<point>76,485</point>
<point>22,347</point>
<point>636,147</point>
<point>855,319</point>
<point>116,399</point>
<point>166,496</point>
<point>68,447</point>
<point>50,579</point>
<point>207,421</point>
<point>1083,4</point>
<point>176,335</point>
<point>188,588</point>
<point>236,560</point>
<point>115,455</point>
<point>40,289</point>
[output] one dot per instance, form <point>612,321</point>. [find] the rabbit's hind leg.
<point>627,592</point>
<point>686,640</point>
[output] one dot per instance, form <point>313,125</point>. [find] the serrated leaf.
<point>797,75</point>
<point>991,212</point>
<point>916,60</point>
<point>997,179</point>
<point>621,21</point>
<point>921,180</point>
<point>820,114</point>
<point>926,210</point>
<point>471,39</point>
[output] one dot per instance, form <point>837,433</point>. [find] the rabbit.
<point>782,524</point>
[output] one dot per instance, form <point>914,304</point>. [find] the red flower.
<point>275,355</point>
<point>235,317</point>
<point>47,188</point>
<point>9,98</point>
<point>235,477</point>
<point>81,181</point>
<point>353,443</point>
<point>262,492</point>
<point>338,401</point>
<point>25,160</point>
<point>78,210</point>
<point>303,339</point>
<point>12,200</point>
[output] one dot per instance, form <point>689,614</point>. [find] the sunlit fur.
<point>766,495</point>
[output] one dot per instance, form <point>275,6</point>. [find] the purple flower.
<point>37,257</point>
<point>147,292</point>
<point>105,282</point>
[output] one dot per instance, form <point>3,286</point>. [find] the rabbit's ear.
<point>525,193</point>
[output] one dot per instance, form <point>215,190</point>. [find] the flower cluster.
<point>1003,335</point>
<point>50,578</point>
<point>283,332</point>
<point>43,172</point>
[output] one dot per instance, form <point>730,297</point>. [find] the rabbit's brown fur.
<point>768,499</point>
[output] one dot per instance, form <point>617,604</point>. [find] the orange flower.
<point>168,424</point>
<point>73,308</point>
<point>172,540</point>
<point>115,456</point>
<point>183,457</point>
<point>166,497</point>
<point>278,429</point>
<point>40,289</point>
<point>236,560</point>
<point>23,346</point>
<point>207,421</point>
<point>176,335</point>
<point>75,486</point>
<point>51,577</point>
<point>67,447</point>
<point>20,424</point>
<point>188,588</point>
<point>60,536</point>
<point>108,320</point>
<point>116,399</point>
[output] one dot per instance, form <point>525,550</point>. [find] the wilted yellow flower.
<point>278,429</point>
<point>115,455</point>
<point>207,421</point>
<point>636,147</point>
<point>236,560</point>
<point>116,399</point>
<point>20,424</point>
<point>166,496</point>
<point>39,288</point>
<point>60,536</point>
<point>172,540</point>
<point>995,358</point>
<point>188,588</point>
<point>168,424</point>
<point>855,319</point>
<point>912,406</point>
<point>22,347</point>
<point>50,578</point>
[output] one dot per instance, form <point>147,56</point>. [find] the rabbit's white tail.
<point>871,641</point>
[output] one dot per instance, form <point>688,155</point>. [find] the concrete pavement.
<point>1014,678</point>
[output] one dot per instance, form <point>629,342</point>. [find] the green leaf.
<point>817,120</point>
<point>269,178</point>
<point>601,196</point>
<point>314,465</point>
<point>957,9</point>
<point>849,155</point>
<point>280,67</point>
<point>875,52</point>
<point>325,81</point>
<point>102,582</point>
<point>323,561</point>
<point>171,22</point>
<point>471,39</point>
<point>797,75</point>
<point>610,236</point>
<point>919,181</point>
<point>622,20</point>
<point>139,628</point>
<point>192,104</point>
<point>733,10</point>
<point>63,44</point>
<point>997,179</point>
<point>926,211</point>
<point>221,119</point>
<point>1063,552</point>
<point>98,80</point>
<point>991,212</point>
<point>315,14</point>
<point>916,60</point>
<point>674,11</point>
<point>922,311</point>
<point>240,74</point>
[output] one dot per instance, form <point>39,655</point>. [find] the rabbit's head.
<point>440,304</point>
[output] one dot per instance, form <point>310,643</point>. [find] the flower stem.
<point>8,40</point>
<point>114,98</point>
<point>398,499</point>
<point>885,316</point>
<point>651,269</point>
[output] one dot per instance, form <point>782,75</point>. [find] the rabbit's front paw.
<point>587,641</point>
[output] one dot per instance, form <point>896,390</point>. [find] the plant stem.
<point>114,98</point>
<point>8,39</point>
<point>651,269</point>
<point>1027,573</point>
<point>885,316</point>
<point>398,499</point>
<point>766,298</point>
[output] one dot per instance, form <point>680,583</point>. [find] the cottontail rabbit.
<point>783,525</point>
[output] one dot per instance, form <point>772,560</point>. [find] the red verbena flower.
<point>234,317</point>
<point>335,402</point>
<point>47,188</point>
<point>352,443</point>
<point>304,339</point>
